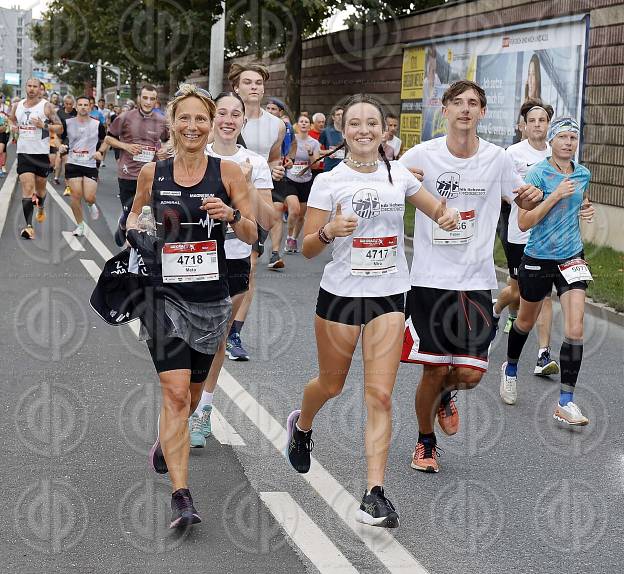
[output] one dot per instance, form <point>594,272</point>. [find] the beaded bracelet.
<point>323,237</point>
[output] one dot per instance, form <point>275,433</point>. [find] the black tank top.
<point>179,219</point>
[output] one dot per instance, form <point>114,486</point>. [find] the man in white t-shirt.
<point>536,116</point>
<point>392,122</point>
<point>449,323</point>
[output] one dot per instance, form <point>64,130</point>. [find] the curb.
<point>599,310</point>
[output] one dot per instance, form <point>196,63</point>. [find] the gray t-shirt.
<point>303,159</point>
<point>82,140</point>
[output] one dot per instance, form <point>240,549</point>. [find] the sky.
<point>36,5</point>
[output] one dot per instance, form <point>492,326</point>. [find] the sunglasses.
<point>200,91</point>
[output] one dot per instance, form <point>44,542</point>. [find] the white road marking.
<point>72,241</point>
<point>310,539</point>
<point>391,553</point>
<point>6,192</point>
<point>93,269</point>
<point>90,235</point>
<point>223,431</point>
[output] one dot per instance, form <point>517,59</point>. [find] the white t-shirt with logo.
<point>524,155</point>
<point>260,177</point>
<point>461,260</point>
<point>371,262</point>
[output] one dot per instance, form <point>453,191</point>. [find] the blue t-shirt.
<point>98,115</point>
<point>289,137</point>
<point>558,235</point>
<point>330,136</point>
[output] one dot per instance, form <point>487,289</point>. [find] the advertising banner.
<point>543,61</point>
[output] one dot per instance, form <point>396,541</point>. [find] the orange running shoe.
<point>448,417</point>
<point>425,457</point>
<point>28,232</point>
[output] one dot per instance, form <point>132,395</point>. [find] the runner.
<point>229,120</point>
<point>299,181</point>
<point>67,111</point>
<point>393,140</point>
<point>264,134</point>
<point>526,153</point>
<point>554,256</point>
<point>331,138</point>
<point>5,134</point>
<point>315,131</point>
<point>35,119</point>
<point>359,206</point>
<point>190,194</point>
<point>449,307</point>
<point>138,133</point>
<point>84,137</point>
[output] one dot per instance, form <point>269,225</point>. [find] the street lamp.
<point>98,81</point>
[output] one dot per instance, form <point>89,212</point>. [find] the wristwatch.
<point>237,217</point>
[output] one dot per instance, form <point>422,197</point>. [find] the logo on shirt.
<point>447,185</point>
<point>366,203</point>
<point>171,193</point>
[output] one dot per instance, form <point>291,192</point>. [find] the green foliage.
<point>366,12</point>
<point>7,90</point>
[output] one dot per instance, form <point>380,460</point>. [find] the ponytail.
<point>382,153</point>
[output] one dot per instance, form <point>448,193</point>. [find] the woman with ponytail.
<point>359,208</point>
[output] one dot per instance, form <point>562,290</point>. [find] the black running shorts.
<point>238,275</point>
<point>536,278</point>
<point>37,163</point>
<point>127,191</point>
<point>75,171</point>
<point>356,310</point>
<point>444,327</point>
<point>514,252</point>
<point>171,353</point>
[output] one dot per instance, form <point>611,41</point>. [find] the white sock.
<point>206,399</point>
<point>299,428</point>
<point>541,350</point>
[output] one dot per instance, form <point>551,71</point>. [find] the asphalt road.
<point>516,492</point>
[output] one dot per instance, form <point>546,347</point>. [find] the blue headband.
<point>562,125</point>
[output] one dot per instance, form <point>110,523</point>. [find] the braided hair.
<point>352,101</point>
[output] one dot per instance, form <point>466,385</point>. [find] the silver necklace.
<point>357,163</point>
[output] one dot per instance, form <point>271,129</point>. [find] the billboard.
<point>12,78</point>
<point>545,60</point>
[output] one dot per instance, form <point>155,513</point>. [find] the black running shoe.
<point>377,510</point>
<point>183,512</point>
<point>157,458</point>
<point>120,235</point>
<point>299,444</point>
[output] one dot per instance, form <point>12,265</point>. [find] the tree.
<point>7,90</point>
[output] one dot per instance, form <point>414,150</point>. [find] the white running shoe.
<point>508,387</point>
<point>79,231</point>
<point>570,414</point>
<point>94,212</point>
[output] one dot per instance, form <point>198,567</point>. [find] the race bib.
<point>298,167</point>
<point>79,155</point>
<point>575,270</point>
<point>373,256</point>
<point>464,233</point>
<point>27,132</point>
<point>338,154</point>
<point>146,155</point>
<point>190,262</point>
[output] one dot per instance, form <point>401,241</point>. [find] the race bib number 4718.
<point>190,262</point>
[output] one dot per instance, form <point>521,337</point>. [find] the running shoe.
<point>299,444</point>
<point>448,416</point>
<point>545,365</point>
<point>291,245</point>
<point>507,388</point>
<point>204,417</point>
<point>94,212</point>
<point>80,230</point>
<point>120,234</point>
<point>570,414</point>
<point>285,216</point>
<point>156,457</point>
<point>198,440</point>
<point>40,216</point>
<point>67,190</point>
<point>183,512</point>
<point>276,261</point>
<point>377,510</point>
<point>234,348</point>
<point>2,173</point>
<point>425,457</point>
<point>28,232</point>
<point>509,324</point>
<point>56,181</point>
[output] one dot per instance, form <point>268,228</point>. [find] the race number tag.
<point>189,262</point>
<point>79,154</point>
<point>373,256</point>
<point>27,132</point>
<point>575,270</point>
<point>464,232</point>
<point>298,167</point>
<point>146,155</point>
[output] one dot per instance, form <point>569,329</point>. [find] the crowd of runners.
<point>224,174</point>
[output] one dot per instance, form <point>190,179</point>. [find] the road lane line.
<point>90,235</point>
<point>223,431</point>
<point>72,241</point>
<point>391,553</point>
<point>302,530</point>
<point>93,269</point>
<point>5,194</point>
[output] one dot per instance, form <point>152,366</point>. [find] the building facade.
<point>16,48</point>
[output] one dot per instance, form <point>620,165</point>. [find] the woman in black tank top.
<point>193,198</point>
